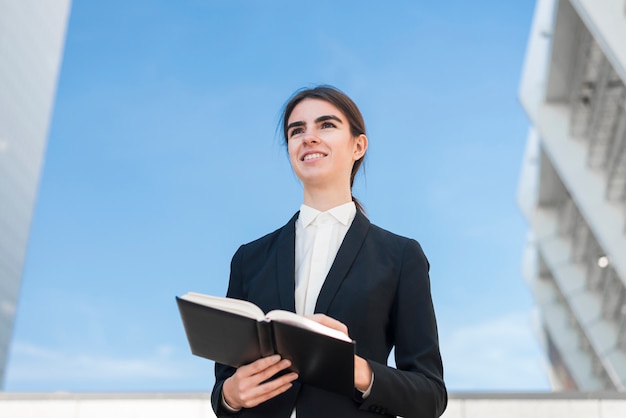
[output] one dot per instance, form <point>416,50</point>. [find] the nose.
<point>310,138</point>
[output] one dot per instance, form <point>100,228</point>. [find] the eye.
<point>295,131</point>
<point>328,125</point>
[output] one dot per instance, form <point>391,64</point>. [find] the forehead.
<point>310,109</point>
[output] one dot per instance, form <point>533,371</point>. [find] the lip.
<point>312,156</point>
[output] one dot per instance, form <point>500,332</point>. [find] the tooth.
<point>311,156</point>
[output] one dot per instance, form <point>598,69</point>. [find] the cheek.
<point>292,152</point>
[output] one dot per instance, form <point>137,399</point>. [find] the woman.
<point>330,263</point>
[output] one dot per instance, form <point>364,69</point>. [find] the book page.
<point>235,306</point>
<point>291,318</point>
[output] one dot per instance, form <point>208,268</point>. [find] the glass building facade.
<point>32,35</point>
<point>573,189</point>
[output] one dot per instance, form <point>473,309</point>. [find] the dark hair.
<point>342,102</point>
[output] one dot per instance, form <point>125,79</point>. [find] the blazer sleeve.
<point>416,387</point>
<point>223,372</point>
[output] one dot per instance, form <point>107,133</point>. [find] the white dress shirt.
<point>318,238</point>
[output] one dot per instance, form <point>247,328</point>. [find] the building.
<point>32,35</point>
<point>573,189</point>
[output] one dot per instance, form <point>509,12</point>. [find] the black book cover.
<point>236,340</point>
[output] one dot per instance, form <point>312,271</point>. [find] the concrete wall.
<point>198,405</point>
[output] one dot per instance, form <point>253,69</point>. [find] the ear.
<point>360,146</point>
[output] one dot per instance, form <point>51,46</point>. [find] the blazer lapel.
<point>343,261</point>
<point>286,265</point>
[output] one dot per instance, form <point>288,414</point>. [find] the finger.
<point>259,371</point>
<point>275,392</point>
<point>268,390</point>
<point>258,365</point>
<point>271,371</point>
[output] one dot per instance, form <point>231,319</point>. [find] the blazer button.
<point>377,409</point>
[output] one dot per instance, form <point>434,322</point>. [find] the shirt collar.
<point>343,213</point>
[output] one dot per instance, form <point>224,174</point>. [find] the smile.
<point>313,156</point>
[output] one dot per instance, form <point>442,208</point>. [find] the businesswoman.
<point>329,262</point>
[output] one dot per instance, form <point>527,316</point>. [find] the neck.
<point>324,200</point>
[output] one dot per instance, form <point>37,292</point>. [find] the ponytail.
<point>359,206</point>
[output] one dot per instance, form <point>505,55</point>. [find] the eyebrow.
<point>318,120</point>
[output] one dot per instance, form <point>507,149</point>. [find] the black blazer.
<point>379,287</point>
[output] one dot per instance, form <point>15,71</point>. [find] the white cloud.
<point>500,355</point>
<point>32,363</point>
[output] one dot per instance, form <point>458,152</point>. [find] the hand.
<point>245,388</point>
<point>362,374</point>
<point>362,369</point>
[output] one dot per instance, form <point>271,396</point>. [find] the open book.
<point>236,332</point>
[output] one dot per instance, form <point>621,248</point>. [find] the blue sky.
<point>163,157</point>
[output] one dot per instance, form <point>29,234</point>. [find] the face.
<point>321,148</point>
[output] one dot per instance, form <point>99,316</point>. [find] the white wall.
<point>198,405</point>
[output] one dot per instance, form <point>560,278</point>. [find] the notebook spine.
<point>266,338</point>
